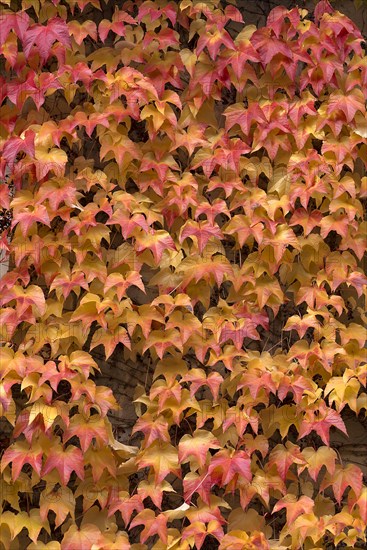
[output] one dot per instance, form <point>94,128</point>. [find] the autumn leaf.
<point>16,144</point>
<point>153,525</point>
<point>181,219</point>
<point>161,340</point>
<point>236,539</point>
<point>64,283</point>
<point>47,160</point>
<point>197,446</point>
<point>343,390</point>
<point>143,317</point>
<point>197,483</point>
<point>284,456</point>
<point>18,22</point>
<point>117,25</point>
<point>302,324</point>
<point>226,465</point>
<point>343,477</point>
<point>32,296</point>
<point>212,39</point>
<point>100,459</point>
<point>80,30</point>
<point>197,531</point>
<point>44,36</point>
<point>119,147</point>
<point>156,241</point>
<point>20,453</point>
<point>186,323</point>
<point>30,521</point>
<point>347,104</point>
<point>82,537</point>
<point>321,420</point>
<point>198,379</point>
<point>307,220</point>
<point>87,430</point>
<point>317,458</point>
<point>154,492</point>
<point>65,461</point>
<point>264,483</point>
<point>202,231</point>
<point>294,507</point>
<point>27,218</point>
<point>196,268</point>
<point>126,505</point>
<point>282,238</point>
<point>154,428</point>
<point>121,283</point>
<point>162,458</point>
<point>109,339</point>
<point>361,502</point>
<point>60,500</point>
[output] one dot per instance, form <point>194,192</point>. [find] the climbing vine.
<point>186,191</point>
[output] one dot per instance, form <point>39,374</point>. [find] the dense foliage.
<point>186,191</point>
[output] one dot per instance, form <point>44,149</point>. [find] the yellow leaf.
<point>53,159</point>
<point>246,521</point>
<point>162,457</point>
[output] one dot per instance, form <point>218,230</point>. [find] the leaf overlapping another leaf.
<point>186,195</point>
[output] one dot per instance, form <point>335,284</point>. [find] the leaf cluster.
<point>192,196</point>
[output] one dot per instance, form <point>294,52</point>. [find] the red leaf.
<point>153,428</point>
<point>321,420</point>
<point>284,456</point>
<point>4,196</point>
<point>16,144</point>
<point>269,45</point>
<point>227,465</point>
<point>65,461</point>
<point>44,36</point>
<point>26,218</point>
<point>20,453</point>
<point>17,22</point>
<point>322,7</point>
<point>87,430</point>
<point>153,491</point>
<point>202,231</point>
<point>294,507</point>
<point>126,505</point>
<point>153,525</point>
<point>343,477</point>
